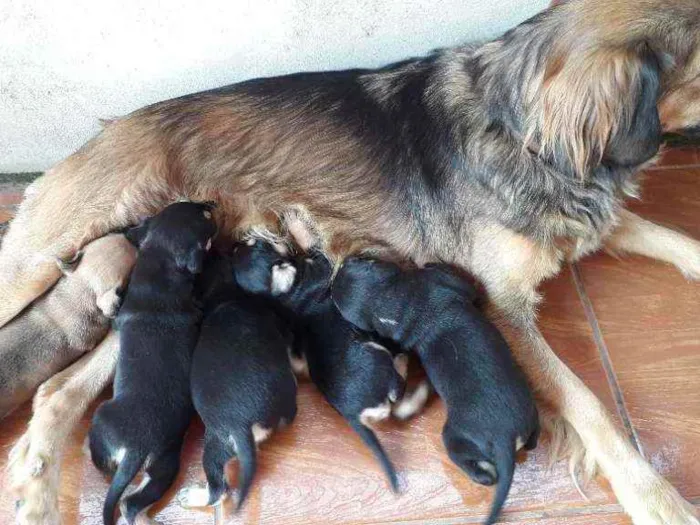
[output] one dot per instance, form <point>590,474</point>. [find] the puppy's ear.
<point>137,234</point>
<point>597,106</point>
<point>68,267</point>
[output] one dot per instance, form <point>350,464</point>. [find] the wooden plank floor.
<point>637,316</point>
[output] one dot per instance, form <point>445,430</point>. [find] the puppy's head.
<point>356,285</point>
<point>104,265</point>
<point>183,229</point>
<point>263,267</point>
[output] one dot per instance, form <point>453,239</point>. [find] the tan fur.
<point>580,115</point>
<point>638,236</point>
<point>35,460</point>
<point>593,64</point>
<point>66,322</point>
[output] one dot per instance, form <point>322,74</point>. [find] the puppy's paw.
<point>109,303</point>
<point>193,496</point>
<point>412,403</point>
<point>401,365</point>
<point>283,276</point>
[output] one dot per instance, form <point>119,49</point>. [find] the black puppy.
<point>357,375</point>
<point>146,420</point>
<point>242,382</point>
<point>490,410</point>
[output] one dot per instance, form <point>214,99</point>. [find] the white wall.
<point>66,63</point>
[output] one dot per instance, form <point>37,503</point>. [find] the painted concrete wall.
<point>66,63</point>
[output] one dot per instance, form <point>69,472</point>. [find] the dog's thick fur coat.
<point>506,158</point>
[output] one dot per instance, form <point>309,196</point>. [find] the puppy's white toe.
<point>193,496</point>
<point>283,276</point>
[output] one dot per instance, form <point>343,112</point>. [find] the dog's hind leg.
<point>157,479</point>
<point>216,455</point>
<point>60,402</point>
<point>113,180</point>
<point>642,237</point>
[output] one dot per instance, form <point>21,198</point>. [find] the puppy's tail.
<point>126,471</point>
<point>505,466</point>
<point>370,439</point>
<point>245,449</point>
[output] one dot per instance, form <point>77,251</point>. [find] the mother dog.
<point>507,158</point>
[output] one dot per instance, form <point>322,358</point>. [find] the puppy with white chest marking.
<point>68,321</point>
<point>490,410</point>
<point>358,376</point>
<point>144,424</point>
<point>242,382</point>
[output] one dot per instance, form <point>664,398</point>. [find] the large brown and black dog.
<point>507,159</point>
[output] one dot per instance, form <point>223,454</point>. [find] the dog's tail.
<point>370,439</point>
<point>505,466</point>
<point>128,467</point>
<point>247,460</point>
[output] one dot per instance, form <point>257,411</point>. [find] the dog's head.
<point>614,75</point>
<point>105,265</point>
<point>183,229</point>
<point>356,286</point>
<point>263,267</point>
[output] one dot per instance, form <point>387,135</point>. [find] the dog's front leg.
<point>59,404</point>
<point>639,236</point>
<point>647,497</point>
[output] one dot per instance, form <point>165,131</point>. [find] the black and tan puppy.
<point>359,377</point>
<point>490,410</point>
<point>242,382</point>
<point>144,423</point>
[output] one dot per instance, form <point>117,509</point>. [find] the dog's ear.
<point>136,234</point>
<point>597,106</point>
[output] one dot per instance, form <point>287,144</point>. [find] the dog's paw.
<point>651,500</point>
<point>193,496</point>
<point>688,260</point>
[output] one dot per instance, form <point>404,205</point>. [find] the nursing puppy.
<point>145,422</point>
<point>242,382</point>
<point>71,319</point>
<point>490,411</point>
<point>359,377</point>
